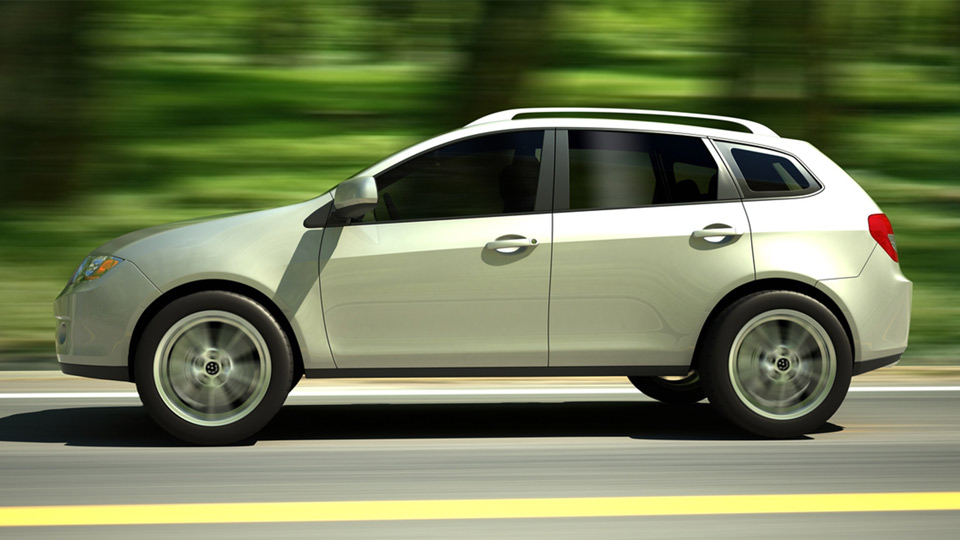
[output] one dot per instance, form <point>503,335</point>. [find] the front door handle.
<point>510,245</point>
<point>724,231</point>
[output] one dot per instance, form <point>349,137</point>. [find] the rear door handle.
<point>510,245</point>
<point>707,233</point>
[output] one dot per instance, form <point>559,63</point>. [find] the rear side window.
<point>767,173</point>
<point>613,169</point>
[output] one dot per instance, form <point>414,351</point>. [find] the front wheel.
<point>777,363</point>
<point>213,367</point>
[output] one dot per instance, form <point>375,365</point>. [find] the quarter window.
<point>612,169</point>
<point>767,173</point>
<point>482,176</point>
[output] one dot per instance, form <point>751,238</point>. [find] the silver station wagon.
<point>732,265</point>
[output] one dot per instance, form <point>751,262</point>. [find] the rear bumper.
<point>869,365</point>
<point>96,319</point>
<point>876,304</point>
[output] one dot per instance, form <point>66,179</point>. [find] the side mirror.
<point>355,197</point>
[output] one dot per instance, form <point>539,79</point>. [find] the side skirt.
<point>112,373</point>
<point>599,371</point>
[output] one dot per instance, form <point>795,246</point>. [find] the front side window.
<point>613,169</point>
<point>482,176</point>
<point>767,173</point>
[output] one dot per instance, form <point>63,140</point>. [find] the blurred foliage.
<point>119,115</point>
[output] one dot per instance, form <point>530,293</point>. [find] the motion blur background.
<point>118,115</point>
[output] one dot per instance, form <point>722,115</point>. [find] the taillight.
<point>882,231</point>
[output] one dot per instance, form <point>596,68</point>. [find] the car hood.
<point>166,250</point>
<point>118,244</point>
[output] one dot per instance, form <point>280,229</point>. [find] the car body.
<point>544,245</point>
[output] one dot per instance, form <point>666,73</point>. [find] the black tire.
<point>776,363</point>
<point>675,391</point>
<point>213,367</point>
<point>295,379</point>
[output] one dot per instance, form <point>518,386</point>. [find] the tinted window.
<point>768,172</point>
<point>762,172</point>
<point>487,175</point>
<point>688,168</point>
<point>610,169</point>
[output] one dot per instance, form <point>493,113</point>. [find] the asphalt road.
<point>484,443</point>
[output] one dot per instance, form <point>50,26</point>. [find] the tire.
<point>213,367</point>
<point>776,363</point>
<point>673,390</point>
<point>297,375</point>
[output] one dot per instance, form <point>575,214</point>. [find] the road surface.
<point>525,458</point>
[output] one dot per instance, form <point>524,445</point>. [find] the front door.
<point>452,268</point>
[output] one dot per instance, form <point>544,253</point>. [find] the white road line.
<point>905,388</point>
<point>67,395</point>
<point>479,392</point>
<point>436,392</point>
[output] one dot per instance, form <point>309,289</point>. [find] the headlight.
<point>94,268</point>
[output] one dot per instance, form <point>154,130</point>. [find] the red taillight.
<point>882,231</point>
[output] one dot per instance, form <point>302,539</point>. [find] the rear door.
<point>649,234</point>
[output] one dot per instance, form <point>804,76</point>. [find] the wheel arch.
<point>187,289</point>
<point>775,284</point>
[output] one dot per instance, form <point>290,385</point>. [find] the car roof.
<point>555,117</point>
<point>613,124</point>
<point>561,112</point>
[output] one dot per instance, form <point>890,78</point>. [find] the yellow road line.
<point>273,512</point>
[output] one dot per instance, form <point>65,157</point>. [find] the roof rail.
<point>755,127</point>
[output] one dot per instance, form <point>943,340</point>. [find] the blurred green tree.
<point>508,42</point>
<point>280,30</point>
<point>44,92</point>
<point>778,64</point>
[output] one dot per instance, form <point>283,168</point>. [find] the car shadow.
<point>132,427</point>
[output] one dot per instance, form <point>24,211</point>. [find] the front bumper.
<point>96,319</point>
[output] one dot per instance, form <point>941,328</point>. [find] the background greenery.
<point>120,115</point>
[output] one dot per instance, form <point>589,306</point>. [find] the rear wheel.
<point>681,390</point>
<point>777,363</point>
<point>213,367</point>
